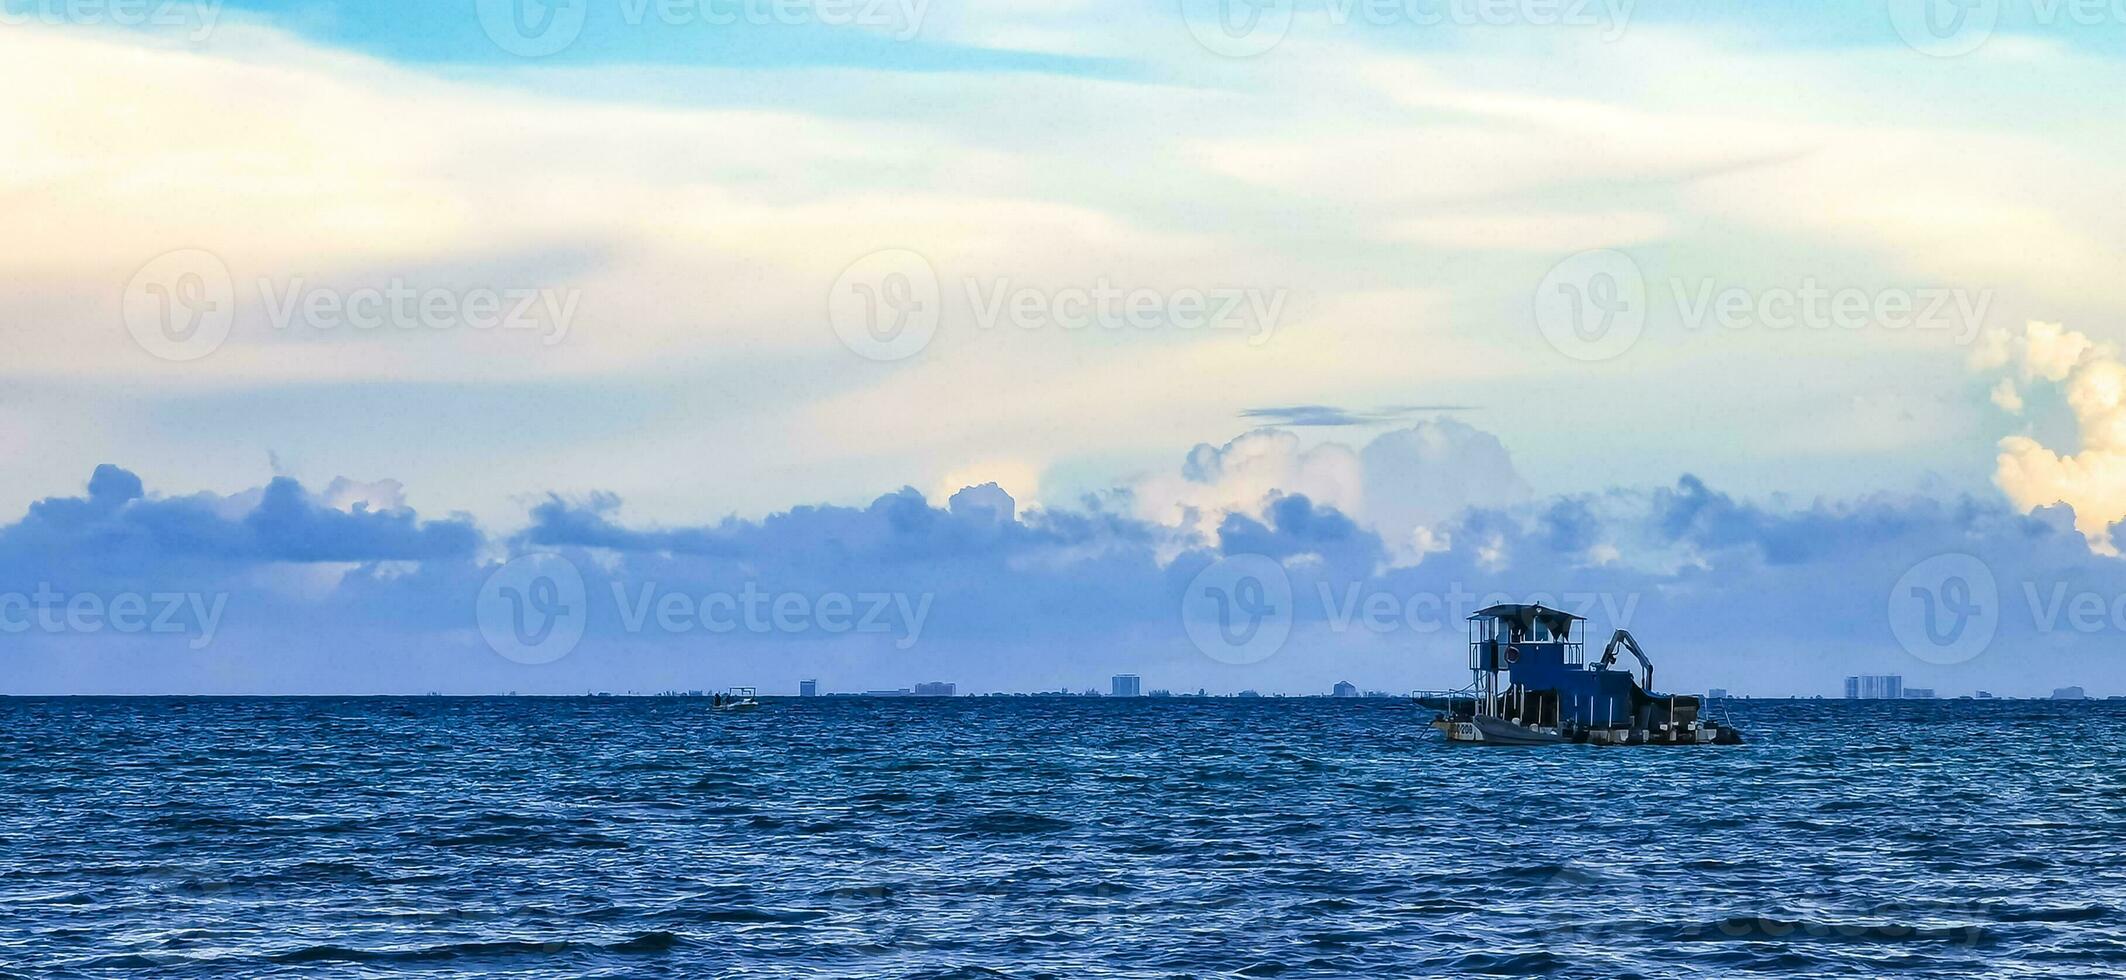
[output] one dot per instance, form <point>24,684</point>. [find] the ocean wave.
<point>445,837</point>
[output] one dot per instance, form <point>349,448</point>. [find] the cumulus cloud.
<point>365,599</point>
<point>2091,481</point>
<point>1401,484</point>
<point>2049,350</point>
<point>2006,398</point>
<point>117,521</point>
<point>1243,475</point>
<point>1417,477</point>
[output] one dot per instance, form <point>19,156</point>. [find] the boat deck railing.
<point>1448,701</point>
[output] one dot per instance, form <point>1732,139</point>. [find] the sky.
<point>548,347</point>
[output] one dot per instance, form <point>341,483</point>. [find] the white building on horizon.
<point>1875,687</point>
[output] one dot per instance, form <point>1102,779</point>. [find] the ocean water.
<point>442,837</point>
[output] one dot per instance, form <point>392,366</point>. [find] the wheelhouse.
<point>1529,642</point>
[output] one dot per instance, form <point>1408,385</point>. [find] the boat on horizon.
<point>736,699</point>
<point>1551,695</point>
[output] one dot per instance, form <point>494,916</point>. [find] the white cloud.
<point>2051,351</point>
<point>2005,397</point>
<point>1241,476</point>
<point>1403,484</point>
<point>681,231</point>
<point>2092,481</point>
<point>1406,201</point>
<point>377,495</point>
<point>1017,477</point>
<point>1417,477</point>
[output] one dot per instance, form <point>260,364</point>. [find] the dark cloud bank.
<point>1724,592</point>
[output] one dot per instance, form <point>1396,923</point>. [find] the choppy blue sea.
<point>1045,837</point>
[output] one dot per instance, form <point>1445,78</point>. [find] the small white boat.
<point>738,699</point>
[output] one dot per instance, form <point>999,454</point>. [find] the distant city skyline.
<point>1856,687</point>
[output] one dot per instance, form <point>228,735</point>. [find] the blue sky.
<point>409,31</point>
<point>1840,245</point>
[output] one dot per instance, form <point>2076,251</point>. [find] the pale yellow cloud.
<point>2091,480</point>
<point>1401,205</point>
<point>300,171</point>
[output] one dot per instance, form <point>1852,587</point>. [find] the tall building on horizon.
<point>808,689</point>
<point>1344,689</point>
<point>1125,685</point>
<point>935,689</point>
<point>1875,687</point>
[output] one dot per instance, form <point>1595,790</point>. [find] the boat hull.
<point>1499,731</point>
<point>1494,731</point>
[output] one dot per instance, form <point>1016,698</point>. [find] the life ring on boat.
<point>1513,655</point>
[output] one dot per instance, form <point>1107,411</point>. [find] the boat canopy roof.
<point>1556,622</point>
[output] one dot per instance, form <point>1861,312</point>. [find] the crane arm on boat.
<point>1622,638</point>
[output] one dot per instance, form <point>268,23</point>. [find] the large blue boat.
<point>1531,684</point>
